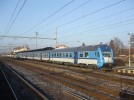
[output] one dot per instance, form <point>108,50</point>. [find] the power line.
<point>99,19</point>
<point>11,17</point>
<point>3,36</point>
<point>16,16</point>
<point>66,13</point>
<point>50,16</point>
<point>90,13</point>
<point>93,12</point>
<point>97,28</point>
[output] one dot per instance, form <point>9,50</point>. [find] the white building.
<point>21,48</point>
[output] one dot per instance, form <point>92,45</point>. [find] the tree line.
<point>119,48</point>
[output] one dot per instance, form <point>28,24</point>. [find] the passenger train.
<point>97,55</point>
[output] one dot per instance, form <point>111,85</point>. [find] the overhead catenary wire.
<point>11,16</point>
<point>118,2</point>
<point>96,11</point>
<point>16,17</point>
<point>120,22</point>
<point>101,35</point>
<point>91,22</point>
<point>50,16</point>
<point>66,13</point>
<point>91,13</point>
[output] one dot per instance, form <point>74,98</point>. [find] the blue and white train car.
<point>98,55</point>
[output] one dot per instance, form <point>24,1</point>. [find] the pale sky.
<point>88,21</point>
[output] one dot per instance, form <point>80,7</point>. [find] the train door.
<point>75,57</point>
<point>99,60</point>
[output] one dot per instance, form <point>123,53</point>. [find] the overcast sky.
<point>88,21</point>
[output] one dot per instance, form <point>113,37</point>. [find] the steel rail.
<point>76,95</point>
<point>9,84</point>
<point>28,84</point>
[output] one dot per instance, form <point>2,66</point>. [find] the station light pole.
<point>129,49</point>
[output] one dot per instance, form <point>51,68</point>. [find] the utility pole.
<point>36,39</point>
<point>11,49</point>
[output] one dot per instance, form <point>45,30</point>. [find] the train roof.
<point>42,49</point>
<point>103,47</point>
<point>82,48</point>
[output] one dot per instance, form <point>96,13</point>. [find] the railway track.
<point>76,81</point>
<point>101,74</point>
<point>20,87</point>
<point>96,73</point>
<point>6,91</point>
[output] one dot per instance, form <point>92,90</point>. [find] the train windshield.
<point>106,54</point>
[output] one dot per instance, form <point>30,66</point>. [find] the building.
<point>19,49</point>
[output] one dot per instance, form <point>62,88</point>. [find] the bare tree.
<point>117,45</point>
<point>132,40</point>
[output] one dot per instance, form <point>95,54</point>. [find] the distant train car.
<point>98,55</point>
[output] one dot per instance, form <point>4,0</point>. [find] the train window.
<point>60,54</point>
<point>86,54</point>
<point>106,54</point>
<point>57,54</point>
<point>66,54</point>
<point>63,55</point>
<point>98,54</point>
<point>54,54</point>
<point>81,54</point>
<point>95,53</point>
<point>70,54</point>
<point>47,54</point>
